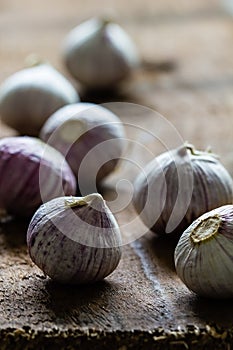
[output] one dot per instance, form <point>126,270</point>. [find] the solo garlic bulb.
<point>30,96</point>
<point>204,254</point>
<point>31,172</point>
<point>178,186</point>
<point>90,137</point>
<point>99,54</point>
<point>75,240</point>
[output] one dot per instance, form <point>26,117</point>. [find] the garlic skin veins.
<point>204,254</point>
<point>90,137</point>
<point>31,95</point>
<point>99,54</point>
<point>75,240</point>
<point>178,186</point>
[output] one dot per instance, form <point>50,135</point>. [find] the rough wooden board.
<point>142,304</point>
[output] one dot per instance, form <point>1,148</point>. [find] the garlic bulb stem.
<point>194,152</point>
<point>76,202</point>
<point>33,60</point>
<point>192,149</point>
<point>72,129</point>
<point>206,229</point>
<point>105,21</point>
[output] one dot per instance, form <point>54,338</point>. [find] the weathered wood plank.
<point>190,81</point>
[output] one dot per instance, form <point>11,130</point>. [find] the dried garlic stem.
<point>206,229</point>
<point>74,202</point>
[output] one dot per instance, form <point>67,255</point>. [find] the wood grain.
<point>187,77</point>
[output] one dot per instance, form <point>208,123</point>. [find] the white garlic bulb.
<point>30,96</point>
<point>178,186</point>
<point>75,240</point>
<point>99,54</point>
<point>90,137</point>
<point>204,254</point>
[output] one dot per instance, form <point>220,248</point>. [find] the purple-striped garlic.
<point>204,254</point>
<point>31,172</point>
<point>178,186</point>
<point>75,240</point>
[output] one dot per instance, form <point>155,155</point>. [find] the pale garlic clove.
<point>30,96</point>
<point>178,186</point>
<point>204,254</point>
<point>99,54</point>
<point>91,138</point>
<point>75,240</point>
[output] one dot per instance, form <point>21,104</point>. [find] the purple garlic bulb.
<point>75,240</point>
<point>204,254</point>
<point>31,172</point>
<point>90,137</point>
<point>178,186</point>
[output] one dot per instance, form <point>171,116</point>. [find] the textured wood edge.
<point>190,338</point>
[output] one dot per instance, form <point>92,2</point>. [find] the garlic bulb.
<point>204,254</point>
<point>30,96</point>
<point>91,138</point>
<point>75,239</point>
<point>178,186</point>
<point>31,172</point>
<point>99,54</point>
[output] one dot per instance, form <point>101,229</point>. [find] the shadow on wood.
<point>161,248</point>
<point>14,233</point>
<point>66,298</point>
<point>212,311</point>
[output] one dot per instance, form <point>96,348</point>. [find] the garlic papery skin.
<point>178,186</point>
<point>204,254</point>
<point>75,240</point>
<point>99,54</point>
<point>31,172</point>
<point>90,137</point>
<point>30,96</point>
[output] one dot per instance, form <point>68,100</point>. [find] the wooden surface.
<point>187,77</point>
